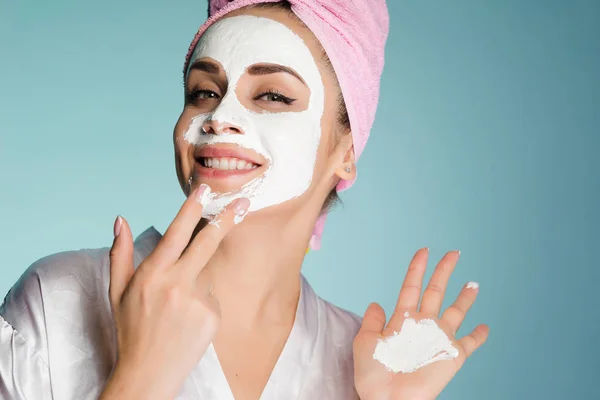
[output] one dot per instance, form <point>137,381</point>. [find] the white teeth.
<point>228,164</point>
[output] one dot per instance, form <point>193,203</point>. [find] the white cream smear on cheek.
<point>416,345</point>
<point>287,140</point>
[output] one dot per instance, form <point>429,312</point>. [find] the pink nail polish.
<point>241,206</point>
<point>202,194</point>
<point>117,226</point>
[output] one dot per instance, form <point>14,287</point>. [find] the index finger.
<point>410,293</point>
<point>206,242</point>
<point>178,234</point>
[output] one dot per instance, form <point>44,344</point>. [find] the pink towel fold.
<point>353,33</point>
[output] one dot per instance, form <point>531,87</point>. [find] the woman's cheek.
<point>326,143</point>
<point>183,150</point>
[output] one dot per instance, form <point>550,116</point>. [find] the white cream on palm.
<point>416,345</point>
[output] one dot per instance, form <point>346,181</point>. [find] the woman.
<point>279,102</point>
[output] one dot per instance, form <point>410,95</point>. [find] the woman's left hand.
<point>372,379</point>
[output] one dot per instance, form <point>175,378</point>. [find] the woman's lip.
<point>206,172</point>
<point>225,152</point>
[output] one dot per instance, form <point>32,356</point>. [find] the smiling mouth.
<point>227,163</point>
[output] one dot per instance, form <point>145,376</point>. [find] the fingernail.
<point>239,218</point>
<point>458,251</point>
<point>240,207</point>
<point>203,194</point>
<point>240,211</point>
<point>117,226</point>
<point>472,285</point>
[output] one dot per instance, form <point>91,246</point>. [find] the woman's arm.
<point>23,372</point>
<point>128,384</point>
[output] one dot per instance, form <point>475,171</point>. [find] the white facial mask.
<point>288,140</point>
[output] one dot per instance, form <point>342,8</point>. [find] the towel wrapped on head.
<point>353,34</point>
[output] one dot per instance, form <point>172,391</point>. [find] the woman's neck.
<point>255,272</point>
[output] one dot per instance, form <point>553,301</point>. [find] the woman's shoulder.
<point>340,324</point>
<point>335,329</point>
<point>64,274</point>
<point>59,309</point>
<point>65,278</point>
<point>341,318</point>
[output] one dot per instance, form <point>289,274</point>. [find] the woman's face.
<point>260,114</point>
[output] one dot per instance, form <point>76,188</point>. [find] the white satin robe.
<point>57,338</point>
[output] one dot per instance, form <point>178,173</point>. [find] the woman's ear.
<point>346,170</point>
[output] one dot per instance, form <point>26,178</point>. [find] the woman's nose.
<point>220,128</point>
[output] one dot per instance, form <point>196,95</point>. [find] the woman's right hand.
<point>164,313</point>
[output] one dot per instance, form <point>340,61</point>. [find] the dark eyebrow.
<point>266,69</point>
<point>206,66</point>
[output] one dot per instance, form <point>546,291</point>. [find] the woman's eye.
<point>275,97</point>
<point>201,94</point>
<point>205,94</point>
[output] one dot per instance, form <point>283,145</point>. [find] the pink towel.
<point>353,33</point>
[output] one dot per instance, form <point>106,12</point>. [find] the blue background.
<point>486,140</point>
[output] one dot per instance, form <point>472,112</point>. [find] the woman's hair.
<point>343,119</point>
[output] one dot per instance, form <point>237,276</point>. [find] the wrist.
<point>133,383</point>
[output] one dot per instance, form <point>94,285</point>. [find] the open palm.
<point>372,379</point>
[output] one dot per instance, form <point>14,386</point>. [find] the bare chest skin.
<point>247,360</point>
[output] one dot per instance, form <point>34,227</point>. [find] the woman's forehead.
<point>242,41</point>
